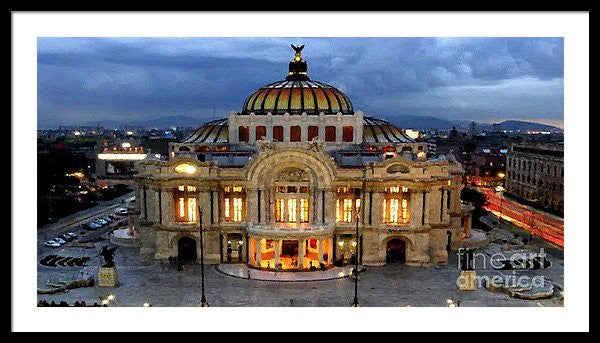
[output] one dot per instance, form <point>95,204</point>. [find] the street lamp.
<point>355,302</point>
<point>203,302</point>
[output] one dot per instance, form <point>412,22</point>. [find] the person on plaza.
<point>76,304</point>
<point>52,303</point>
<point>83,303</point>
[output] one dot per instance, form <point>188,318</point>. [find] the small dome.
<point>297,94</point>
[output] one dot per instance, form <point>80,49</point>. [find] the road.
<point>72,224</point>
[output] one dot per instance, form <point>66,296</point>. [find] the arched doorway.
<point>395,251</point>
<point>186,249</point>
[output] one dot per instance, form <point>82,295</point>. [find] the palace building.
<point>283,182</point>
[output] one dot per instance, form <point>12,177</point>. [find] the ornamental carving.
<point>293,174</point>
<point>398,168</point>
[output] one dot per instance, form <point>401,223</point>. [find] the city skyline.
<point>130,79</point>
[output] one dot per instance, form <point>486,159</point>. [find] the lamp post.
<point>203,302</point>
<point>355,302</point>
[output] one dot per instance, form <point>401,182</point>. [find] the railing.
<point>278,230</point>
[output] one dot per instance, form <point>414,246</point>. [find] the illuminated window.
<point>234,199</point>
<point>279,211</point>
<point>347,204</point>
<point>395,205</point>
<point>292,204</point>
<point>186,204</point>
<point>304,210</point>
<point>291,210</point>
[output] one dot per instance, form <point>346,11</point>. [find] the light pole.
<point>203,302</point>
<point>355,302</point>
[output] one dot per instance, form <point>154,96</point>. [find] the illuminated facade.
<point>282,182</point>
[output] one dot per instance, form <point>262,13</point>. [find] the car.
<point>123,223</point>
<point>72,234</point>
<point>114,216</point>
<point>108,219</point>
<point>121,211</point>
<point>59,240</point>
<point>52,244</point>
<point>65,237</point>
<point>101,222</point>
<point>91,225</point>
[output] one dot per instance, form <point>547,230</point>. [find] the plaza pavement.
<point>391,285</point>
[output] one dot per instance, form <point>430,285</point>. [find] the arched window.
<point>186,204</point>
<point>243,133</point>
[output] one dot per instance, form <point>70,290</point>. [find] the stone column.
<point>257,251</point>
<point>252,133</point>
<point>277,244</point>
<point>301,253</point>
<point>320,250</point>
<point>377,208</point>
<point>330,253</point>
<point>330,198</point>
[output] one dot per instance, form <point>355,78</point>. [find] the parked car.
<point>72,234</point>
<point>121,211</point>
<point>107,218</point>
<point>91,225</point>
<point>52,244</point>
<point>124,222</point>
<point>113,216</point>
<point>100,221</point>
<point>59,240</point>
<point>65,237</point>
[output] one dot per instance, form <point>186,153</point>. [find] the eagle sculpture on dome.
<point>298,51</point>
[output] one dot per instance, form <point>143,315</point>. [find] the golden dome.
<point>297,94</point>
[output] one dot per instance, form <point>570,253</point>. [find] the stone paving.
<point>392,285</point>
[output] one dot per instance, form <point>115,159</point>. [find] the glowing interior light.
<point>185,168</point>
<point>413,134</point>
<point>421,154</point>
<point>126,145</point>
<point>122,157</point>
<point>181,207</point>
<point>292,210</point>
<point>341,243</point>
<point>192,209</point>
<point>237,209</point>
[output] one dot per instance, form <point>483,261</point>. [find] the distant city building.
<point>116,163</point>
<point>536,173</point>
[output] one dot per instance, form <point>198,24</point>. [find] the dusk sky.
<point>82,80</point>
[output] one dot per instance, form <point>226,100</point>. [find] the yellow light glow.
<point>129,133</point>
<point>122,157</point>
<point>146,304</point>
<point>501,175</point>
<point>77,133</point>
<point>185,168</point>
<point>111,297</point>
<point>126,145</point>
<point>104,301</point>
<point>414,134</point>
<point>421,154</point>
<point>341,243</point>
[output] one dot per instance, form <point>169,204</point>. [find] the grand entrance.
<point>289,254</point>
<point>395,251</point>
<point>186,249</point>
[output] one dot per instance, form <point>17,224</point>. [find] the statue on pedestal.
<point>108,256</point>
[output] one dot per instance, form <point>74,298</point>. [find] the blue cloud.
<point>482,79</point>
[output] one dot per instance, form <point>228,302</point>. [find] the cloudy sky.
<point>481,79</point>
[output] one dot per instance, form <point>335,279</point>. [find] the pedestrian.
<point>76,304</point>
<point>83,303</point>
<point>52,303</point>
<point>171,260</point>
